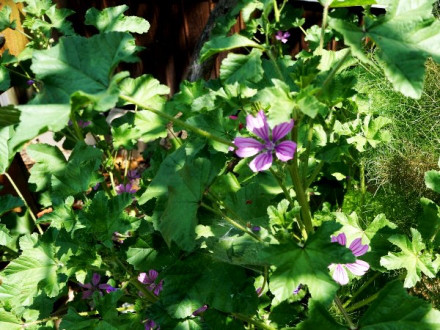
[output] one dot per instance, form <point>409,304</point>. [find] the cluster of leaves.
<point>255,248</point>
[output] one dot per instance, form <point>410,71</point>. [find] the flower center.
<point>269,146</point>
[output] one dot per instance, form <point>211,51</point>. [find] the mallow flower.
<point>248,147</point>
<point>359,267</point>
<point>95,285</point>
<point>150,281</point>
<point>282,36</point>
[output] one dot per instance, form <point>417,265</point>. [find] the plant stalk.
<point>363,302</point>
<point>256,323</point>
<point>34,218</point>
<point>344,313</point>
<point>323,26</point>
<point>361,289</point>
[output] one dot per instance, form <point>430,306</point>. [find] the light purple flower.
<point>30,82</point>
<point>256,228</point>
<point>200,310</point>
<point>359,267</point>
<point>81,123</point>
<point>150,281</point>
<point>151,325</point>
<point>298,288</point>
<point>127,188</point>
<point>133,174</point>
<point>259,291</point>
<point>248,147</point>
<point>282,36</point>
<point>95,286</point>
<point>233,117</point>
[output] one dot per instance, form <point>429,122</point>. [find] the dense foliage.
<point>250,209</point>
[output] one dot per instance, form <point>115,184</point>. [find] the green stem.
<point>276,11</point>
<point>323,26</point>
<point>301,197</point>
<point>344,313</point>
<point>177,121</point>
<point>333,72</point>
<point>256,323</point>
<point>305,164</point>
<point>363,302</point>
<point>361,289</point>
<point>34,218</point>
<point>134,281</point>
<point>363,187</point>
<point>315,173</point>
<point>231,221</point>
<point>23,33</point>
<point>76,128</point>
<point>275,63</point>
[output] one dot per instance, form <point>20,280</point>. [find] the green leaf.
<point>279,101</point>
<point>429,221</point>
<point>9,202</point>
<point>9,115</point>
<point>37,119</point>
<point>412,257</point>
<point>48,160</point>
<point>223,287</point>
<point>36,7</point>
<point>5,21</point>
<point>242,68</point>
<point>309,104</point>
<point>58,19</point>
<point>146,90</point>
<point>223,43</point>
<point>353,229</point>
<point>5,154</point>
<point>36,268</point>
<point>105,216</point>
<point>113,19</point>
<point>372,133</point>
<point>81,64</point>
<point>9,321</point>
<point>408,31</point>
<point>78,174</point>
<point>74,321</point>
<point>5,80</point>
<point>384,313</point>
<point>63,216</point>
<point>320,318</point>
<point>307,265</point>
<point>432,180</point>
<point>351,3</point>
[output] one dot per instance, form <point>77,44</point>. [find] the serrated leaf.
<point>222,43</point>
<point>146,90</point>
<point>105,216</point>
<point>354,229</point>
<point>432,180</point>
<point>221,286</point>
<point>9,321</point>
<point>63,216</point>
<point>81,64</point>
<point>242,68</point>
<point>429,221</point>
<point>5,22</point>
<point>113,19</point>
<point>5,80</point>
<point>307,265</point>
<point>35,268</point>
<point>37,119</point>
<point>408,31</point>
<point>5,154</point>
<point>384,313</point>
<point>413,258</point>
<point>9,115</point>
<point>9,202</point>
<point>72,320</point>
<point>36,7</point>
<point>48,160</point>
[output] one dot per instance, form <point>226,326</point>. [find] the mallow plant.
<point>226,225</point>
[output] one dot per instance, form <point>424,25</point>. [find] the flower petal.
<point>341,239</point>
<point>358,268</point>
<point>86,286</point>
<point>107,287</point>
<point>96,278</point>
<point>262,162</point>
<point>340,275</point>
<point>258,125</point>
<point>153,274</point>
<point>281,130</point>
<point>357,248</point>
<point>247,147</point>
<point>143,278</point>
<point>285,150</point>
<point>86,294</point>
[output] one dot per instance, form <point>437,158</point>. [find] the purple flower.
<point>200,310</point>
<point>296,291</point>
<point>259,291</point>
<point>248,147</point>
<point>359,267</point>
<point>150,281</point>
<point>127,188</point>
<point>282,36</point>
<point>30,82</point>
<point>233,117</point>
<point>151,325</point>
<point>95,286</point>
<point>81,123</point>
<point>133,174</point>
<point>256,228</point>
